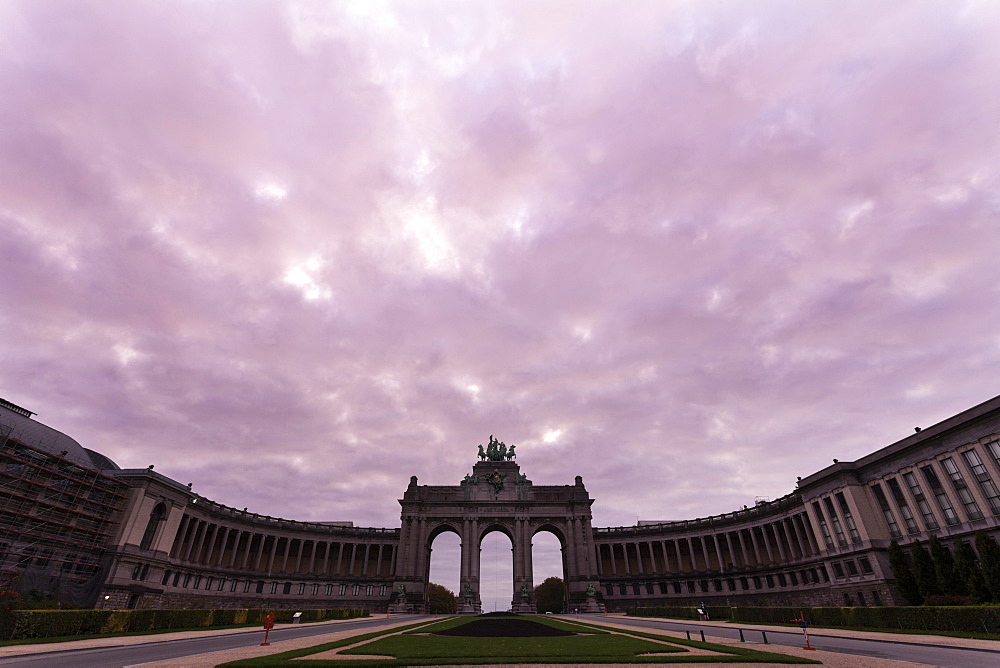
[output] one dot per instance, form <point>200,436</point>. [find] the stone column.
<point>777,542</point>
<point>758,558</point>
<point>195,540</point>
<point>298,558</point>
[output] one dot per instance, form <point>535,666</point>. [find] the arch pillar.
<point>523,599</point>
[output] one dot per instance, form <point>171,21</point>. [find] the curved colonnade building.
<point>75,524</point>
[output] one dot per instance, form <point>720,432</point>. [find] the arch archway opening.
<point>496,564</point>
<point>445,561</point>
<point>548,561</point>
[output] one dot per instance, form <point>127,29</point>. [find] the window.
<point>197,582</point>
<point>302,588</point>
<point>246,586</point>
<point>222,584</point>
<point>260,586</point>
<point>852,568</point>
<point>838,570</point>
<point>137,571</point>
<point>287,588</point>
<point>690,587</point>
<point>822,525</point>
<point>794,578</point>
<point>883,503</point>
<point>677,587</point>
<point>918,495</point>
<point>944,503</point>
<point>663,588</point>
<point>274,587</point>
<point>770,581</point>
<point>904,508</point>
<point>635,589</point>
<point>355,589</point>
<point>845,510</point>
<point>703,585</point>
<point>745,583</point>
<point>187,580</point>
<point>975,464</point>
<point>717,585</point>
<point>381,591</point>
<point>866,565</point>
<point>343,590</point>
<point>781,580</point>
<point>208,583</point>
<point>837,529</point>
<point>848,601</point>
<point>166,577</point>
<point>369,590</point>
<point>329,590</point>
<point>964,495</point>
<point>235,583</point>
<point>158,514</point>
<point>994,449</point>
<point>610,589</point>
<point>315,590</point>
<point>861,599</point>
<point>757,582</point>
<point>622,589</point>
<point>649,588</point>
<point>731,584</point>
<point>876,597</point>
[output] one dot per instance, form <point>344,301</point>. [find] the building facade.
<point>74,524</point>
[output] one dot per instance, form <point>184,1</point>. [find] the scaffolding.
<point>57,521</point>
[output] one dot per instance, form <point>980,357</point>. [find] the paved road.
<point>882,649</point>
<point>127,655</point>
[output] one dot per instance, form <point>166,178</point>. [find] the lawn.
<point>415,645</point>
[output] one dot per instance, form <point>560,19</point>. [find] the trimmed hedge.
<point>715,612</point>
<point>25,624</point>
<point>959,619</point>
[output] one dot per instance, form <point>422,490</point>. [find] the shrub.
<point>10,601</point>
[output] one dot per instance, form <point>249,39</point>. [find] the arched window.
<point>158,515</point>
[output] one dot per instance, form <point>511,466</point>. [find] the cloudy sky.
<point>294,253</point>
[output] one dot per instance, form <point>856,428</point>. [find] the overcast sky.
<point>295,253</point>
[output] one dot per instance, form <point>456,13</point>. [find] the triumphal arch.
<point>495,496</point>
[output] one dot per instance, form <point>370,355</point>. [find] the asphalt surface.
<point>884,647</point>
<point>163,650</point>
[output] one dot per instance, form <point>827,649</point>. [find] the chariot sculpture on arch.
<point>496,451</point>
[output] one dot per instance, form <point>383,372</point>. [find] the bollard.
<point>741,636</point>
<point>763,634</point>
<point>688,634</point>
<point>702,635</point>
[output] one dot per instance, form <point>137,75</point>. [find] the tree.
<point>443,601</point>
<point>924,571</point>
<point>944,566</point>
<point>968,569</point>
<point>549,595</point>
<point>989,557</point>
<point>905,581</point>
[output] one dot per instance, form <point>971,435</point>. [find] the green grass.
<point>596,646</point>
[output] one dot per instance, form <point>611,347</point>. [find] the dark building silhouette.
<point>74,524</point>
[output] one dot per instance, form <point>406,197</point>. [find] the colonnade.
<point>653,551</point>
<point>201,542</point>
